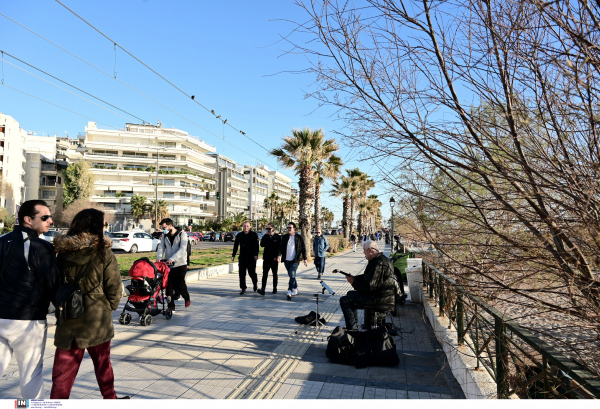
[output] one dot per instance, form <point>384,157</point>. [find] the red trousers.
<point>66,366</point>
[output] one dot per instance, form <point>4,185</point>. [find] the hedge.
<point>336,243</point>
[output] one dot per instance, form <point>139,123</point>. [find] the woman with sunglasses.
<point>86,250</point>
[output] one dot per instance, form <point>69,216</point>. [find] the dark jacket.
<point>248,244</point>
<point>101,287</point>
<point>271,245</point>
<point>298,244</point>
<point>377,281</point>
<point>25,293</point>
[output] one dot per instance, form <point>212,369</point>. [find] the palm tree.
<point>226,224</point>
<point>291,206</point>
<point>239,219</point>
<point>302,151</point>
<point>138,207</point>
<point>342,187</point>
<point>271,202</point>
<point>163,210</point>
<point>328,167</point>
<point>354,177</point>
<point>262,222</point>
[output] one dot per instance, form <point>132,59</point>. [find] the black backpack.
<point>69,298</point>
<point>375,347</point>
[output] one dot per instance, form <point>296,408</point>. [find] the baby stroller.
<point>147,292</point>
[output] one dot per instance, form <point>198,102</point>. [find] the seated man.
<point>374,288</point>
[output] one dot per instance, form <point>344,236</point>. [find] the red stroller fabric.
<point>141,269</point>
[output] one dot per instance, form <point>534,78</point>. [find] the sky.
<point>230,55</point>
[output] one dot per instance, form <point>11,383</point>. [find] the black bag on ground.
<point>307,319</point>
<point>375,347</point>
<point>69,298</point>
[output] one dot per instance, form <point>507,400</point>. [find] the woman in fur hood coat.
<point>85,243</point>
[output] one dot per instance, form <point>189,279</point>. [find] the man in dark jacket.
<point>29,279</point>
<point>292,250</point>
<point>247,241</point>
<point>374,288</point>
<point>270,242</point>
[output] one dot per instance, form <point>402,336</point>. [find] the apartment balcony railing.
<point>48,184</point>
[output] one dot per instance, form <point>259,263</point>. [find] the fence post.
<point>441,295</point>
<point>460,322</point>
<point>501,359</point>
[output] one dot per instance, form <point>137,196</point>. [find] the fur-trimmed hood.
<point>65,244</point>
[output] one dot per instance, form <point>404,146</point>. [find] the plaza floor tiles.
<point>231,346</point>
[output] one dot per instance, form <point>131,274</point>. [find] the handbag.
<point>69,298</point>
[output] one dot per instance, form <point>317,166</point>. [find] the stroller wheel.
<point>143,320</point>
<point>127,319</point>
<point>121,319</point>
<point>169,314</point>
<point>148,319</point>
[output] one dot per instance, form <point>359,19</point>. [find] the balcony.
<point>48,184</point>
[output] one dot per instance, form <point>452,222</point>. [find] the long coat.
<point>101,287</point>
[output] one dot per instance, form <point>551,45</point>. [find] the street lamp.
<point>392,203</point>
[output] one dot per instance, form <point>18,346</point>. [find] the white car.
<point>133,241</point>
<point>50,235</point>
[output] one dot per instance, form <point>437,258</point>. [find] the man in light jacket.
<point>291,252</point>
<point>320,247</point>
<point>173,248</point>
<point>29,279</point>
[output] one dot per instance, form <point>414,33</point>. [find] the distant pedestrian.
<point>320,247</point>
<point>86,252</point>
<point>247,241</point>
<point>291,251</point>
<point>29,279</point>
<point>173,247</point>
<point>270,241</point>
<point>353,240</point>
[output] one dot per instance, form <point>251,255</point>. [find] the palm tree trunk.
<point>306,201</point>
<point>317,205</point>
<point>345,224</point>
<point>352,214</point>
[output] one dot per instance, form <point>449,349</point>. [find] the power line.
<point>134,89</point>
<point>192,97</point>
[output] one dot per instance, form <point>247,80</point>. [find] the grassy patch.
<point>199,258</point>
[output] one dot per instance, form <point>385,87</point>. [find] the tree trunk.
<point>306,201</point>
<point>351,221</point>
<point>360,224</point>
<point>345,224</point>
<point>318,206</point>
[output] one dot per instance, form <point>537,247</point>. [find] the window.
<point>138,236</point>
<point>167,145</point>
<point>169,195</point>
<point>48,194</point>
<point>109,205</point>
<point>146,236</point>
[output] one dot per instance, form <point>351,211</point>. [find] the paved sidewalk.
<point>231,346</point>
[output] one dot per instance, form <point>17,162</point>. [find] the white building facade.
<point>281,185</point>
<point>13,141</point>
<point>125,163</point>
<point>258,189</point>
<point>232,187</point>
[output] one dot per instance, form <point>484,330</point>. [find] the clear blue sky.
<point>221,52</point>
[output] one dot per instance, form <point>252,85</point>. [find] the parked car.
<point>206,236</point>
<point>133,241</point>
<point>229,236</point>
<point>50,235</point>
<point>194,237</point>
<point>157,234</point>
<point>334,232</point>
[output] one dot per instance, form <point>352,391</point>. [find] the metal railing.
<point>518,360</point>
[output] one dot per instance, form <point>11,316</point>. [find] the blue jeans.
<point>291,268</point>
<point>320,264</point>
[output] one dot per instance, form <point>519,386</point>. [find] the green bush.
<point>97,166</point>
<point>139,168</point>
<point>102,167</point>
<point>113,167</point>
<point>337,243</point>
<point>127,168</point>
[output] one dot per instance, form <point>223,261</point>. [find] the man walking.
<point>353,240</point>
<point>173,247</point>
<point>292,249</point>
<point>247,241</point>
<point>320,246</point>
<point>29,279</point>
<point>270,242</point>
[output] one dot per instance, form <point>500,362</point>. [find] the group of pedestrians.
<point>30,278</point>
<point>354,237</point>
<point>288,248</point>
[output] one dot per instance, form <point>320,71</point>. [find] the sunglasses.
<point>268,228</point>
<point>44,218</point>
<point>290,228</point>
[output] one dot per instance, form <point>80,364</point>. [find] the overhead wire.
<point>128,86</point>
<point>192,97</point>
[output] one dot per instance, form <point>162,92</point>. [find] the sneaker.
<point>243,292</point>
<point>274,290</point>
<point>188,303</point>
<point>296,291</point>
<point>289,295</point>
<point>261,291</point>
<point>319,277</point>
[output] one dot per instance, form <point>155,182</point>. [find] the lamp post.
<point>392,203</point>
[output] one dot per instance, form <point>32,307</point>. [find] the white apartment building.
<point>281,185</point>
<point>258,180</point>
<point>13,140</point>
<point>43,171</point>
<point>232,187</point>
<point>125,162</point>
